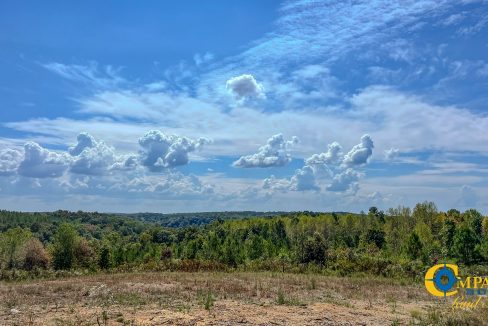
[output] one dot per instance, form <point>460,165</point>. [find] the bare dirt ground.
<point>223,299</point>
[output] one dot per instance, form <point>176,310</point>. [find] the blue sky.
<point>243,105</point>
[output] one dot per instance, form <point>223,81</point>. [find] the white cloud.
<point>274,184</point>
<point>91,157</point>
<point>91,74</point>
<point>304,179</point>
<point>333,155</point>
<point>245,86</point>
<point>454,19</point>
<point>173,184</point>
<point>413,125</point>
<point>274,153</point>
<point>125,163</point>
<point>391,153</point>
<point>165,151</point>
<point>360,153</point>
<point>39,162</point>
<point>344,181</point>
<point>9,161</point>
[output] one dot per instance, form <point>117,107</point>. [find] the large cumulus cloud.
<point>91,157</point>
<point>341,170</point>
<point>39,162</point>
<point>274,153</point>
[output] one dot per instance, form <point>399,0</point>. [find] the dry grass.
<point>222,299</point>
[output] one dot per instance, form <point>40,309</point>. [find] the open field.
<point>223,299</point>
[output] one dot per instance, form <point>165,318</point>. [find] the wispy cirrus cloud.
<point>91,74</point>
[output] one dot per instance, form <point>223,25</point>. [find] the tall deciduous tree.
<point>64,245</point>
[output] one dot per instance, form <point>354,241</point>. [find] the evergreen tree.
<point>414,246</point>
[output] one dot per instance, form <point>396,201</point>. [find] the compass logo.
<point>440,280</point>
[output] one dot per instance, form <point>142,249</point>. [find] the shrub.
<point>35,256</point>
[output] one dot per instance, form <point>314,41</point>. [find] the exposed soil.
<point>218,299</point>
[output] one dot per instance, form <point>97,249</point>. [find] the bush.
<point>35,256</point>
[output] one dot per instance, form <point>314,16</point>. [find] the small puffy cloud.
<point>39,162</point>
<point>274,153</point>
<point>333,155</point>
<point>160,150</point>
<point>91,157</point>
<point>391,153</point>
<point>360,153</point>
<point>245,86</point>
<point>344,181</point>
<point>9,161</point>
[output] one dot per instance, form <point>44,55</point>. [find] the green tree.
<point>65,241</point>
<point>254,246</point>
<point>426,212</point>
<point>283,258</point>
<point>314,249</point>
<point>465,245</point>
<point>414,246</point>
<point>105,258</point>
<point>375,236</point>
<point>11,246</point>
<point>448,232</point>
<point>475,221</point>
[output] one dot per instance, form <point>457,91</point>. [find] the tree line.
<point>398,242</point>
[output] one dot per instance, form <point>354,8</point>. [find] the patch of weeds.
<point>282,300</point>
<point>312,285</point>
<point>103,320</point>
<point>396,322</point>
<point>458,318</point>
<point>64,322</point>
<point>416,315</point>
<point>434,316</point>
<point>393,306</point>
<point>183,308</point>
<point>129,299</point>
<point>206,299</point>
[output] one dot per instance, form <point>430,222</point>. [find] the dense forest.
<point>398,243</point>
<point>186,219</point>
